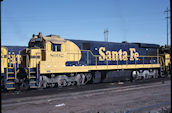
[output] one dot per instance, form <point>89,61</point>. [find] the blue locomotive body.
<point>94,47</point>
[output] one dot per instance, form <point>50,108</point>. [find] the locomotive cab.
<point>50,53</point>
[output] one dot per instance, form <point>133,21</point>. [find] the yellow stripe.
<point>32,77</point>
<point>10,77</point>
<point>10,72</point>
<point>71,69</point>
<point>10,67</point>
<point>33,86</point>
<point>11,83</point>
<point>11,88</point>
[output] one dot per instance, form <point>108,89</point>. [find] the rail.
<point>141,109</point>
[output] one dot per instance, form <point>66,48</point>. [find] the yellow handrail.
<point>37,70</point>
<point>96,57</point>
<point>15,71</point>
<point>29,72</point>
<point>7,72</point>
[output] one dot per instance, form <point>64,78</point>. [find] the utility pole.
<point>170,38</point>
<point>167,17</point>
<point>106,35</point>
<point>0,49</point>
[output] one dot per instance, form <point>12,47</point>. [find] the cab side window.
<point>56,47</point>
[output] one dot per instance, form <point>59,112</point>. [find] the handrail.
<point>7,72</point>
<point>89,51</point>
<point>29,72</point>
<point>37,71</point>
<point>37,65</point>
<point>15,74</point>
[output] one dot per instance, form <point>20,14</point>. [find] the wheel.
<point>43,84</point>
<point>88,76</point>
<point>80,81</point>
<point>97,77</point>
<point>2,84</point>
<point>62,83</point>
<point>24,86</point>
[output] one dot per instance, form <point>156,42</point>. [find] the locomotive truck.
<point>51,61</point>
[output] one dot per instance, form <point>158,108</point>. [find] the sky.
<point>140,21</point>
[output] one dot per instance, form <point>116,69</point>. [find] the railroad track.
<point>108,88</point>
<point>49,91</point>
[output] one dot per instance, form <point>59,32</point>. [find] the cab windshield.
<point>37,44</point>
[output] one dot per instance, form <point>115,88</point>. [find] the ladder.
<point>162,64</point>
<point>10,72</point>
<point>33,77</point>
<point>10,77</point>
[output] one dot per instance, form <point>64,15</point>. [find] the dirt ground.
<point>115,100</point>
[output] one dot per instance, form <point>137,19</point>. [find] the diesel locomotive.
<point>50,61</point>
